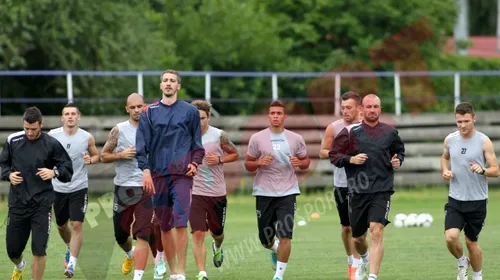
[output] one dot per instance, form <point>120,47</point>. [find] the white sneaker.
<point>462,271</point>
<point>362,270</point>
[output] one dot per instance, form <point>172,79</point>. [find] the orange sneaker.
<point>352,273</point>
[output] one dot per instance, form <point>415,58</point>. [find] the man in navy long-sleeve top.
<point>369,152</point>
<point>169,150</point>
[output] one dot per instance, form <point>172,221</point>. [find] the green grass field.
<point>317,252</point>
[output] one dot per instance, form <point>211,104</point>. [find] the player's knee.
<point>472,245</point>
<point>77,226</point>
<point>376,233</point>
<point>346,230</point>
<point>451,237</point>
<point>198,236</point>
<point>62,227</point>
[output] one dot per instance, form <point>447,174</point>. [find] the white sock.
<point>275,246</point>
<point>216,248</point>
<point>130,254</point>
<point>365,257</point>
<point>349,259</point>
<point>280,270</point>
<point>180,277</point>
<point>20,266</point>
<point>462,261</point>
<point>477,275</point>
<point>372,277</point>
<point>204,273</point>
<point>72,261</point>
<point>355,262</point>
<point>138,274</point>
<point>67,245</point>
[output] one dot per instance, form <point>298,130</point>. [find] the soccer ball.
<point>424,220</point>
<point>399,220</point>
<point>411,220</point>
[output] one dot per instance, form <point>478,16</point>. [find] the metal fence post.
<point>208,85</point>
<point>275,86</point>
<point>337,95</point>
<point>140,86</point>
<point>457,89</point>
<point>397,94</point>
<point>69,85</point>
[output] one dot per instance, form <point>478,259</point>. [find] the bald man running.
<point>369,151</point>
<point>130,199</point>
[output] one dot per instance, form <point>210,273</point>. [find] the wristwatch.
<point>56,172</point>
<point>482,172</point>
<point>220,160</point>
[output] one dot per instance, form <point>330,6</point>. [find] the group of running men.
<point>169,171</point>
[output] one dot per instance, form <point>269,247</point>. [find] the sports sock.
<point>204,273</point>
<point>372,277</point>
<point>130,253</point>
<point>462,261</point>
<point>477,275</point>
<point>275,246</point>
<point>349,259</point>
<point>20,266</point>
<point>365,257</point>
<point>138,274</point>
<point>355,262</point>
<point>280,270</point>
<point>158,257</point>
<point>72,261</point>
<point>216,248</point>
<point>67,245</point>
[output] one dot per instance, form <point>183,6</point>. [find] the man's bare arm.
<point>93,152</point>
<point>107,154</point>
<point>231,153</point>
<point>491,159</point>
<point>445,158</point>
<point>326,143</point>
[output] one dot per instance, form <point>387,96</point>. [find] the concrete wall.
<point>423,136</point>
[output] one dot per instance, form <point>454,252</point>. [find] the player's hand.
<point>447,174</point>
<point>86,158</point>
<point>267,160</point>
<point>15,178</point>
<point>359,159</point>
<point>192,170</point>
<point>476,168</point>
<point>128,153</point>
<point>212,159</point>
<point>147,182</point>
<point>45,173</point>
<point>396,163</point>
<point>294,161</point>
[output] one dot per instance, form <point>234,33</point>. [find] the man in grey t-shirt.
<point>468,158</point>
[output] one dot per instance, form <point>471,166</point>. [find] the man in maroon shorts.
<point>208,202</point>
<point>129,197</point>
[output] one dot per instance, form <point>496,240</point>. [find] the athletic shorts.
<point>468,216</point>
<point>21,222</point>
<point>275,217</point>
<point>70,206</point>
<point>208,213</point>
<point>342,202</point>
<point>130,203</point>
<point>172,200</point>
<point>366,208</point>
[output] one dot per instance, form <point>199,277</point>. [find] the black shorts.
<point>342,202</point>
<point>465,215</point>
<point>208,213</point>
<point>71,206</point>
<point>132,208</point>
<point>367,208</point>
<point>275,217</point>
<point>21,222</point>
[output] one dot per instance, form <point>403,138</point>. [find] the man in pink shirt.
<point>274,154</point>
<point>208,206</point>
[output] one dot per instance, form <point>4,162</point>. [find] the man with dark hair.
<point>71,198</point>
<point>29,160</point>
<point>369,151</point>
<point>209,203</point>
<point>350,114</point>
<point>468,158</point>
<point>274,154</point>
<point>169,151</point>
